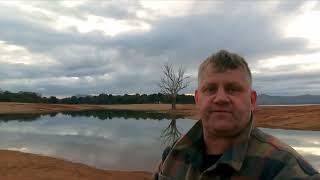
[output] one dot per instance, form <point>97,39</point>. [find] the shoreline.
<point>281,117</point>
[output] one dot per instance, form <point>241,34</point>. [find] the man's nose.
<point>221,97</point>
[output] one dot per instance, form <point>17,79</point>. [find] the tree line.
<point>172,82</point>
<point>32,97</point>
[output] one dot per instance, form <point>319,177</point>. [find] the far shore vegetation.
<point>32,97</point>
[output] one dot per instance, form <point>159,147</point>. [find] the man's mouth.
<point>221,111</point>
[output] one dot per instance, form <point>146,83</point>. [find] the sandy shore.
<point>17,165</point>
<point>23,166</point>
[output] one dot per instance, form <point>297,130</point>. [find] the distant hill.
<point>264,99</point>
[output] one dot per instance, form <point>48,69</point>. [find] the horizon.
<point>132,94</point>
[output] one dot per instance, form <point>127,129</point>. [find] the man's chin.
<point>223,116</point>
<point>224,130</point>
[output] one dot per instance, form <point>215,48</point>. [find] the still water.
<point>119,140</point>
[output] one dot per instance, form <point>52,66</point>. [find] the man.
<point>224,144</point>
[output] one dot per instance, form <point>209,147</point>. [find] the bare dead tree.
<point>173,82</point>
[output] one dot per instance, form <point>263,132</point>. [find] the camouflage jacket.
<point>258,156</point>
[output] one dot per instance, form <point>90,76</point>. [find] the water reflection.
<point>116,140</point>
<point>170,134</point>
<point>100,114</point>
<point>19,117</point>
<point>118,143</point>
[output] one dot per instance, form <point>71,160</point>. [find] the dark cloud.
<point>191,39</point>
<point>287,83</point>
<point>133,60</point>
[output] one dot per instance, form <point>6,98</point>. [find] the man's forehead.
<point>214,69</point>
<point>228,76</point>
<point>222,81</point>
<point>209,71</point>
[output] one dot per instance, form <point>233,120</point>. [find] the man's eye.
<point>209,90</point>
<point>233,89</point>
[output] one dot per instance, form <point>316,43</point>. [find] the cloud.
<point>69,46</point>
<point>289,6</point>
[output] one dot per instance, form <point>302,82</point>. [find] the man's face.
<point>224,100</point>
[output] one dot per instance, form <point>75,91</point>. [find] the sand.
<point>23,166</point>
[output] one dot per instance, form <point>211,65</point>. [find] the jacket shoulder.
<point>268,147</point>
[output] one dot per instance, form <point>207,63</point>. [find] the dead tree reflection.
<point>170,134</point>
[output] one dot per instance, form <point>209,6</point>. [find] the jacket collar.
<point>192,146</point>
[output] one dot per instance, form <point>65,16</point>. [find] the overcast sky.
<point>65,48</point>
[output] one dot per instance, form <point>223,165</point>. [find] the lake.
<point>117,140</point>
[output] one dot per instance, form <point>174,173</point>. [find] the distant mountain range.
<point>264,99</point>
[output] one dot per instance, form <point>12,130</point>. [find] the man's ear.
<point>253,100</point>
<point>196,96</point>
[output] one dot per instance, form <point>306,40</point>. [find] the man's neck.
<point>219,144</point>
<point>216,145</point>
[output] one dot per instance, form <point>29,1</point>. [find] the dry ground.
<point>289,117</point>
<point>23,166</point>
<point>16,165</point>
